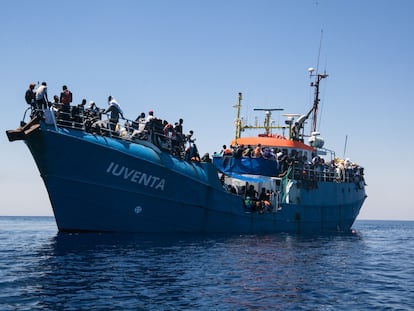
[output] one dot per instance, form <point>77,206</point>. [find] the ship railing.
<point>309,177</point>
<point>82,120</point>
<point>23,122</point>
<point>325,173</point>
<point>126,129</point>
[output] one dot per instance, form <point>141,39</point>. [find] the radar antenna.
<point>268,114</point>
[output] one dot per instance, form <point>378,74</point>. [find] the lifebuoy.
<point>169,129</point>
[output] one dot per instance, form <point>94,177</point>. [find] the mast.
<point>319,77</point>
<point>237,122</point>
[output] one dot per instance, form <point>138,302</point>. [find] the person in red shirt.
<point>65,100</point>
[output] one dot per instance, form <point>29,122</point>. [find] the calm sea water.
<point>43,270</point>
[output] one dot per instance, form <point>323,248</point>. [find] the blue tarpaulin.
<point>253,166</point>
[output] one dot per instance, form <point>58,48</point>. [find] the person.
<point>191,153</point>
<point>169,130</point>
<point>150,115</point>
<point>139,126</point>
<point>238,152</point>
<point>253,195</point>
<point>65,96</point>
<point>179,137</point>
<point>294,131</point>
<point>248,204</point>
<point>115,111</point>
<point>53,108</point>
<point>262,195</point>
<point>92,116</point>
<point>285,162</point>
<point>138,120</point>
<point>55,104</point>
<point>113,102</point>
<point>257,153</point>
<point>247,153</point>
<point>93,113</point>
<point>225,151</point>
<point>179,127</point>
<point>206,158</point>
<point>30,96</point>
<point>93,109</point>
<point>65,100</point>
<point>226,154</point>
<point>195,156</point>
<point>41,96</point>
<point>267,154</point>
<point>251,192</point>
<point>189,137</point>
<point>78,114</point>
<point>242,191</point>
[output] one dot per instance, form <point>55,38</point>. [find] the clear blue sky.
<point>189,59</point>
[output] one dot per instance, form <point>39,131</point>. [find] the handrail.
<point>22,122</point>
<point>327,173</point>
<point>79,121</point>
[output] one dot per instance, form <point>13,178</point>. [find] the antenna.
<point>346,140</point>
<point>238,121</point>
<point>268,123</point>
<point>266,109</point>
<point>268,113</point>
<point>319,52</point>
<point>318,77</point>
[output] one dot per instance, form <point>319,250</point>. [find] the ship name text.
<point>135,176</point>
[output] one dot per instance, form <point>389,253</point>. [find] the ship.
<point>109,179</point>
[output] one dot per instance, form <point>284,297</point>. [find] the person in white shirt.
<point>115,111</point>
<point>150,115</point>
<point>41,96</point>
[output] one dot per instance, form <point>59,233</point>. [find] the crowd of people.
<point>306,173</point>
<point>90,118</point>
<point>253,200</point>
<point>171,137</point>
<point>313,169</point>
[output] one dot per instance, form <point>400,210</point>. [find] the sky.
<point>189,59</point>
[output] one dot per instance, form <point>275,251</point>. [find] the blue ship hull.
<point>98,183</point>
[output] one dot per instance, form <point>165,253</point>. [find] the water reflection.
<point>40,269</point>
<point>186,272</point>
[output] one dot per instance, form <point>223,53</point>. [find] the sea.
<point>369,269</point>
